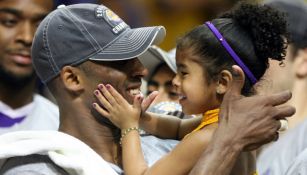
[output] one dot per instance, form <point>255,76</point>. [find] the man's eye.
<point>9,22</point>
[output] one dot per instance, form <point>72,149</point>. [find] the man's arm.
<point>245,123</point>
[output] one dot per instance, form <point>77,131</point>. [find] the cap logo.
<point>112,19</point>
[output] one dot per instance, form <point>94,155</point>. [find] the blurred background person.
<point>290,75</point>
<point>285,154</point>
<point>178,16</point>
<point>161,67</point>
<point>21,108</point>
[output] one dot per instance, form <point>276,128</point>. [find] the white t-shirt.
<point>41,114</point>
<point>278,157</point>
<point>299,165</point>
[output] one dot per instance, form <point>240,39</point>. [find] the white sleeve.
<point>299,166</point>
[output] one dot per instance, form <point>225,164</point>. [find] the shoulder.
<point>31,165</point>
<point>44,101</point>
<point>203,135</point>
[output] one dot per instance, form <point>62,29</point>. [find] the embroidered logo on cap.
<point>112,19</point>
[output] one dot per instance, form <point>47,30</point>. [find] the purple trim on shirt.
<point>6,121</point>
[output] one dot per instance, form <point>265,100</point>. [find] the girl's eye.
<point>183,73</point>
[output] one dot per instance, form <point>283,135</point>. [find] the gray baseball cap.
<point>73,34</point>
<point>154,56</point>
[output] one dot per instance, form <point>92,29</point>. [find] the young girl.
<point>247,36</point>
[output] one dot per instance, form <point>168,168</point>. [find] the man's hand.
<point>245,123</point>
<point>250,122</point>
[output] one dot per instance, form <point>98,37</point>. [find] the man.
<point>20,106</point>
<point>279,157</point>
<point>76,48</point>
<point>288,76</point>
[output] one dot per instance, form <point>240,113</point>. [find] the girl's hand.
<point>148,101</point>
<point>116,108</point>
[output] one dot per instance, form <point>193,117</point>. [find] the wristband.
<point>126,131</point>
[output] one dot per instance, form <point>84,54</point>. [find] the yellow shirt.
<point>210,117</point>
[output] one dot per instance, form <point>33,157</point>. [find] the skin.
<point>292,76</point>
<point>232,138</point>
<point>299,88</point>
<point>73,90</point>
<point>199,97</point>
<point>164,75</point>
<point>18,22</point>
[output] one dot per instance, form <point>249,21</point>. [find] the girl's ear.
<point>224,81</point>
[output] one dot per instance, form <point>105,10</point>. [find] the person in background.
<point>72,64</point>
<point>203,58</point>
<point>288,76</point>
<point>20,106</point>
<point>161,67</point>
<point>287,154</point>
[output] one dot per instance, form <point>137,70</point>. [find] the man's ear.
<point>301,64</point>
<point>224,80</point>
<point>72,79</point>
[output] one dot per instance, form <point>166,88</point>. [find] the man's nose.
<point>25,34</point>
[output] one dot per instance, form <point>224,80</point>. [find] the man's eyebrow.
<point>181,66</point>
<point>11,11</point>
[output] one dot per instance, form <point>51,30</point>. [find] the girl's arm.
<point>124,116</point>
<point>179,161</point>
<point>166,126</point>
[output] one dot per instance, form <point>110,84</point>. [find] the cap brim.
<point>131,44</point>
<point>154,56</point>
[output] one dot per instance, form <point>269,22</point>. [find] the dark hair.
<point>255,32</point>
<point>156,70</point>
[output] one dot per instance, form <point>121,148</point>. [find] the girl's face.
<point>195,94</point>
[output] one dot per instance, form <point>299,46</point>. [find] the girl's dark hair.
<point>255,32</point>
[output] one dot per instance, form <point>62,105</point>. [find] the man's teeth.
<point>134,91</point>
<point>182,97</point>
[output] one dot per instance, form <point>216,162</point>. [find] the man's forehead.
<point>32,8</point>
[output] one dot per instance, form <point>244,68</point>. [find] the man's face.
<point>18,22</point>
<point>124,76</point>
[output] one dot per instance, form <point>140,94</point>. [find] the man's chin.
<point>104,121</point>
<point>16,80</point>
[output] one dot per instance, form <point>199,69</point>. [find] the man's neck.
<point>16,97</point>
<point>97,136</point>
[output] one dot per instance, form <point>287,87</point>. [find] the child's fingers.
<point>106,93</point>
<point>137,101</point>
<point>117,96</point>
<point>103,100</point>
<point>101,110</point>
<point>149,99</point>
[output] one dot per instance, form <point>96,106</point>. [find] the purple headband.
<point>231,52</point>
